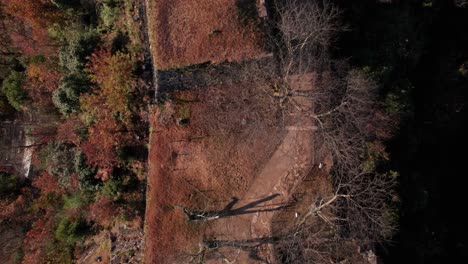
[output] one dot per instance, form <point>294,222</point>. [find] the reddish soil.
<point>189,32</point>
<point>201,172</point>
<point>188,168</point>
<point>165,228</point>
<point>286,168</point>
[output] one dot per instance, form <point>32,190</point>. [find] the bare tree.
<point>341,103</point>
<point>343,108</point>
<point>363,199</point>
<point>344,225</point>
<point>307,30</point>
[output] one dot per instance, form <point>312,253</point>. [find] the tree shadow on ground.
<point>228,211</point>
<point>247,10</point>
<point>252,246</point>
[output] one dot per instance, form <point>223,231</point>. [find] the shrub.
<point>85,173</point>
<point>120,42</point>
<point>67,97</point>
<point>9,184</point>
<point>74,201</point>
<point>12,87</point>
<point>56,253</point>
<point>60,162</point>
<point>113,3</point>
<point>112,188</point>
<point>74,56</point>
<point>113,74</point>
<point>71,231</point>
<point>394,104</point>
<point>109,15</point>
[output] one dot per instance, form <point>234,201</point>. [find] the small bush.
<point>56,253</point>
<point>109,15</point>
<point>74,201</point>
<point>67,97</point>
<point>9,184</point>
<point>74,56</point>
<point>57,33</point>
<point>120,42</point>
<point>85,173</point>
<point>112,3</point>
<point>12,87</point>
<point>112,188</point>
<point>60,162</point>
<point>71,231</point>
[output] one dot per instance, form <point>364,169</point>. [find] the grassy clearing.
<point>190,32</point>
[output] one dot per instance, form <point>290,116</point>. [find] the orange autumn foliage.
<point>102,211</point>
<point>40,231</point>
<point>43,76</point>
<point>69,131</point>
<point>47,183</point>
<point>109,107</point>
<point>42,228</point>
<point>37,13</point>
<point>26,23</point>
<point>104,139</point>
<point>113,75</point>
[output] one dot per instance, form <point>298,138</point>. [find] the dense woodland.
<point>79,69</point>
<point>75,66</point>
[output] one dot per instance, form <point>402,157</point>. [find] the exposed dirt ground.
<point>236,157</point>
<point>224,150</point>
<point>190,32</point>
<point>279,176</point>
<point>203,164</point>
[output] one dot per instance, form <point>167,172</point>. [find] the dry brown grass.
<point>203,164</point>
<point>196,31</point>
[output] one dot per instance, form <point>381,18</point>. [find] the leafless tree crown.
<point>341,103</point>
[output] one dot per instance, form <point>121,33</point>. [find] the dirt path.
<point>275,182</point>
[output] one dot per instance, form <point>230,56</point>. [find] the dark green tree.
<point>9,184</point>
<point>12,88</point>
<point>67,97</point>
<point>85,173</point>
<point>73,57</point>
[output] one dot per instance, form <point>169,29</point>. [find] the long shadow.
<point>200,76</point>
<point>249,245</point>
<point>197,215</point>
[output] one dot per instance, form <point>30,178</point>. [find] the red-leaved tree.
<point>102,211</point>
<point>42,228</point>
<point>105,137</point>
<point>27,22</point>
